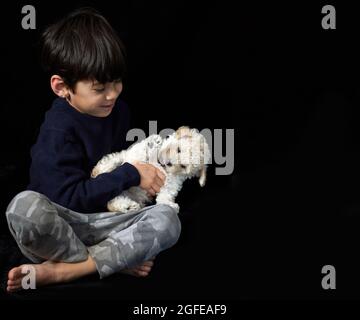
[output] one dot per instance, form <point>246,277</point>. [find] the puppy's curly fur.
<point>182,155</point>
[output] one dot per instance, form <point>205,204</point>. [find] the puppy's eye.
<point>183,166</point>
<point>178,150</point>
<point>167,137</point>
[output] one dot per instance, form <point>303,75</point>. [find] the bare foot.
<point>49,273</point>
<point>142,270</point>
<point>59,272</point>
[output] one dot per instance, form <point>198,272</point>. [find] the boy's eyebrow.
<point>96,83</point>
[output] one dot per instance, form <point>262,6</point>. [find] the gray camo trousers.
<point>45,230</point>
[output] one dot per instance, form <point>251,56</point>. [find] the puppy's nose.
<point>169,164</point>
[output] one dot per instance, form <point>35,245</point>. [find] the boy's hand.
<point>151,178</point>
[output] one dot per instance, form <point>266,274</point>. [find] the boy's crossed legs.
<point>66,245</point>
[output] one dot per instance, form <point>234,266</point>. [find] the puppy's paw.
<point>123,205</point>
<point>95,172</point>
<point>103,167</point>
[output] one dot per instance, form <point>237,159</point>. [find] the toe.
<point>13,288</point>
<point>144,268</point>
<point>15,273</point>
<point>148,263</point>
<point>143,273</point>
<point>13,282</point>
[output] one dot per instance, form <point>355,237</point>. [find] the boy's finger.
<point>159,182</point>
<point>152,191</point>
<point>160,175</point>
<point>156,187</point>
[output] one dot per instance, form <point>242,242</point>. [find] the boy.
<point>85,60</point>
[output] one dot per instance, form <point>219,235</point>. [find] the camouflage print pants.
<point>45,230</point>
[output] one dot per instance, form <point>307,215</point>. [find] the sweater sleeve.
<point>58,170</point>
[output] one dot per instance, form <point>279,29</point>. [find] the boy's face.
<point>94,98</point>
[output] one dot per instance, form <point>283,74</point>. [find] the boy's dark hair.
<point>83,46</point>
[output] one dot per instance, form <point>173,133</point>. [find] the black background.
<point>290,91</point>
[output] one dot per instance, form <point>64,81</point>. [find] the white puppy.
<point>182,155</point>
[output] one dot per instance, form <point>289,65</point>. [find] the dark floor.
<point>258,235</point>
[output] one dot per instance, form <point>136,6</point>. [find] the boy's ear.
<point>202,178</point>
<point>58,86</point>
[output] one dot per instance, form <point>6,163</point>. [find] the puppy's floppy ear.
<point>207,157</point>
<point>183,132</point>
<point>202,174</point>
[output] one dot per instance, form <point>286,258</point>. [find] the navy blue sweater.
<point>69,145</point>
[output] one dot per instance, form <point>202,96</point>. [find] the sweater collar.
<point>65,106</point>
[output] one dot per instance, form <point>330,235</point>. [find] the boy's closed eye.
<point>98,87</point>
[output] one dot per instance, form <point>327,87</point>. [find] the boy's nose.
<point>113,92</point>
<point>111,95</point>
